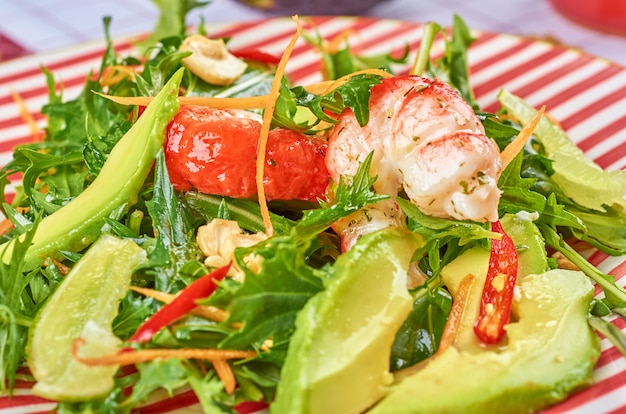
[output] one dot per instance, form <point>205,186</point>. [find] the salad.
<point>316,278</point>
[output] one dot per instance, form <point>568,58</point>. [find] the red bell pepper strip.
<point>180,306</point>
<point>256,55</point>
<point>497,296</point>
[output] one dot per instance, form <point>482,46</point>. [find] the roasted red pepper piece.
<point>495,305</point>
<point>181,305</point>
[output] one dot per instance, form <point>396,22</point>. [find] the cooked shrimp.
<point>426,141</point>
<point>381,215</point>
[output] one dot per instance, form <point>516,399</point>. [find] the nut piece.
<point>218,240</point>
<point>211,61</point>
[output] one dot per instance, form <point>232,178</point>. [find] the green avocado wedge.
<point>549,352</point>
<point>83,306</point>
<point>579,177</point>
<point>79,223</point>
<point>338,358</point>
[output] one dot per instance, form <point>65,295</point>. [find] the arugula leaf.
<point>452,67</point>
<point>615,295</point>
<point>206,389</point>
<point>247,213</point>
<point>13,321</point>
<point>267,303</point>
<point>175,238</point>
<point>167,374</point>
<point>441,232</point>
<point>418,337</point>
<point>341,62</point>
<point>291,103</point>
<point>171,19</point>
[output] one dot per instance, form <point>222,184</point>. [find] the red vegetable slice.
<point>214,151</point>
<point>256,55</point>
<point>180,306</point>
<point>497,296</point>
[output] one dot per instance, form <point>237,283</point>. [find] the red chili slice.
<point>256,55</point>
<point>497,296</point>
<point>181,305</point>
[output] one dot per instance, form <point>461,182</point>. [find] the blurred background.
<point>33,26</point>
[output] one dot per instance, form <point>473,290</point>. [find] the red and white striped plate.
<point>586,94</point>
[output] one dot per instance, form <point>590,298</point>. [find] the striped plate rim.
<point>585,93</point>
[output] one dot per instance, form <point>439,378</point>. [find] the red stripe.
<point>597,391</point>
<point>612,156</point>
<point>263,41</point>
<point>184,399</point>
<point>23,384</point>
<point>497,81</point>
<point>597,137</point>
<point>240,27</point>
<point>553,76</point>
<point>83,57</point>
<point>250,407</point>
<point>581,86</point>
<point>619,271</point>
<point>41,91</point>
<point>593,107</point>
<point>494,59</point>
<point>22,400</point>
<point>18,120</point>
<point>310,69</point>
<point>619,410</point>
<point>597,257</point>
<point>361,47</point>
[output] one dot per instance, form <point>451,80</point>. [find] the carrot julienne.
<point>181,305</point>
<point>5,225</point>
<point>225,374</point>
<point>208,312</point>
<point>456,314</point>
<point>252,102</point>
<point>325,87</point>
<point>27,116</point>
<point>115,74</point>
<point>249,102</point>
<point>268,114</point>
<point>130,357</point>
<point>511,150</point>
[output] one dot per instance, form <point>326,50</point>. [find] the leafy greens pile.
<point>80,136</point>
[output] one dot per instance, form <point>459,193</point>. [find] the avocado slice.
<point>531,259</point>
<point>578,176</point>
<point>80,222</point>
<point>550,349</point>
<point>339,356</point>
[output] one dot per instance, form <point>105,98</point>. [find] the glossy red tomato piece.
<point>295,167</point>
<point>214,151</point>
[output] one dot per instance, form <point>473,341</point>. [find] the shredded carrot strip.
<point>63,269</point>
<point>209,312</point>
<point>225,374</point>
<point>252,102</point>
<point>5,225</point>
<point>27,116</point>
<point>129,357</point>
<point>509,153</point>
<point>326,87</point>
<point>332,46</point>
<point>115,74</point>
<point>268,113</point>
<point>456,314</point>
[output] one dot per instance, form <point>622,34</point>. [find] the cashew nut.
<point>211,61</point>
